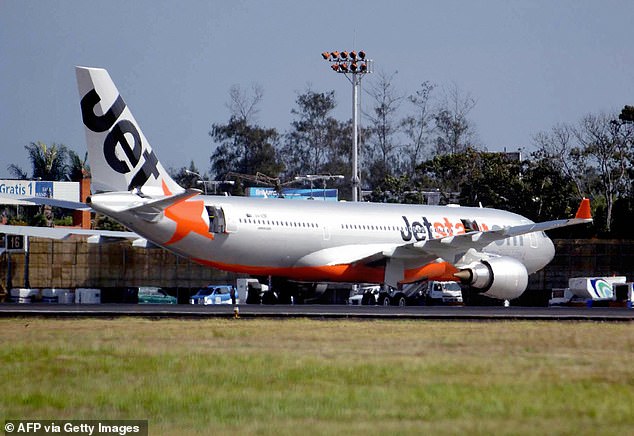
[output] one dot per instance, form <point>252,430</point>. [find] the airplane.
<point>491,251</point>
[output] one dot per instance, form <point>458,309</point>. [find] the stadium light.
<point>353,65</point>
<point>215,183</point>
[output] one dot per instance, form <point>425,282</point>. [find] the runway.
<point>612,314</point>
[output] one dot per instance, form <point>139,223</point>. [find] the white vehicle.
<point>624,292</point>
<point>594,288</point>
<point>422,293</point>
<point>490,250</point>
<point>215,294</point>
<point>251,291</point>
<point>366,295</point>
<point>443,292</point>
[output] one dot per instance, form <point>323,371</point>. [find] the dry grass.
<point>323,377</point>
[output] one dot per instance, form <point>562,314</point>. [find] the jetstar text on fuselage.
<point>424,229</point>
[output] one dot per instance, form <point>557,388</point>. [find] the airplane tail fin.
<point>120,157</point>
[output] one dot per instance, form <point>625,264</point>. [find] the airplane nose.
<point>546,253</point>
<point>542,256</point>
<point>549,250</point>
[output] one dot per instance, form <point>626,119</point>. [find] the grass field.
<point>323,377</point>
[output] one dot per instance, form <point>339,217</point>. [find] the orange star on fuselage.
<point>188,218</point>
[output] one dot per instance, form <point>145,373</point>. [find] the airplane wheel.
<point>385,301</point>
<point>402,301</point>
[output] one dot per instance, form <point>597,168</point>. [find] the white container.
<point>594,288</point>
<point>66,297</point>
<point>87,296</point>
<point>53,295</point>
<point>24,295</point>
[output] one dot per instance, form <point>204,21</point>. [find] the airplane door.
<point>326,230</point>
<point>220,221</point>
<point>231,224</point>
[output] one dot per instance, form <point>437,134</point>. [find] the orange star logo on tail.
<point>188,216</point>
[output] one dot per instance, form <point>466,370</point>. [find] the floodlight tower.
<point>353,65</point>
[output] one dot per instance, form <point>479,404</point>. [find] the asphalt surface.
<point>320,312</point>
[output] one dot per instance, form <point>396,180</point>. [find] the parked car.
<point>413,294</point>
<point>151,295</point>
<point>366,295</point>
<point>214,294</point>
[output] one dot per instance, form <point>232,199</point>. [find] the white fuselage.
<point>312,240</point>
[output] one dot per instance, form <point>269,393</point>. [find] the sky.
<point>528,64</point>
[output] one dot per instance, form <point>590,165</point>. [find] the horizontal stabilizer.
<point>63,232</point>
<point>46,201</point>
<point>152,210</point>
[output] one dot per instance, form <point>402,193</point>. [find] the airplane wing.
<point>449,248</point>
<point>65,232</point>
<point>452,248</point>
<point>95,236</point>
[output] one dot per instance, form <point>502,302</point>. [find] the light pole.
<point>353,65</point>
<point>204,182</point>
<point>216,183</point>
<point>200,179</point>
<point>313,177</point>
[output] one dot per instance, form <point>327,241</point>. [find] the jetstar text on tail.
<point>117,136</point>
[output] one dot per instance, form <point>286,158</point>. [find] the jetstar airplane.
<point>490,250</point>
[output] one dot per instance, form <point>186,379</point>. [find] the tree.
<point>244,149</point>
<point>419,127</point>
<point>317,143</point>
<point>554,193</point>
<point>243,146</point>
<point>308,144</point>
<point>78,168</point>
<point>600,141</point>
<point>627,114</point>
<point>185,176</point>
<point>478,177</point>
<point>556,149</point>
<point>383,155</point>
<point>244,106</point>
<point>47,162</point>
<point>455,132</point>
<point>50,163</point>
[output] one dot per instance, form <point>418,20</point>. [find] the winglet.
<point>584,209</point>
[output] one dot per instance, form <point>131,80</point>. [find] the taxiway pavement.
<point>320,311</point>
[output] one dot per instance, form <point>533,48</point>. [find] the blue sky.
<point>529,64</point>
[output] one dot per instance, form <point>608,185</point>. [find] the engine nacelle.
<point>499,277</point>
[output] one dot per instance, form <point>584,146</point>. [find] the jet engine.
<point>499,277</point>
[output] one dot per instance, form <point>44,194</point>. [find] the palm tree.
<point>48,162</point>
<point>77,168</point>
